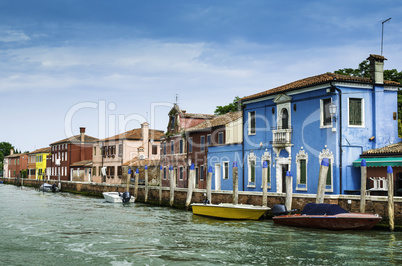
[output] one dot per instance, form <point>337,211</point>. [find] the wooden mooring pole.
<point>235,175</point>
<point>146,183</point>
<point>128,180</point>
<point>289,190</point>
<point>190,185</point>
<point>264,183</point>
<point>160,184</point>
<point>172,178</point>
<point>322,177</point>
<point>363,178</point>
<point>136,183</point>
<point>390,197</point>
<point>209,184</point>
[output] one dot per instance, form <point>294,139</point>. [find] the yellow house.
<point>40,156</point>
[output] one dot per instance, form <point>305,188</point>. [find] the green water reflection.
<point>67,229</point>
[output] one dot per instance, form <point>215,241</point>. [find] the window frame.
<point>225,170</point>
<point>323,122</point>
<point>251,118</point>
<point>362,118</point>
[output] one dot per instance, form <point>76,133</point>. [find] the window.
<point>268,177</point>
<point>65,156</point>
<point>251,170</point>
<point>201,172</point>
<point>190,145</point>
<point>251,123</point>
<point>225,174</point>
<point>164,148</point>
<point>355,112</point>
<point>164,173</point>
<point>119,171</point>
<point>220,138</point>
<point>181,146</point>
<point>172,122</point>
<point>209,139</point>
<point>329,180</point>
<point>325,115</point>
<point>202,143</point>
<point>301,162</point>
<point>181,173</point>
<point>154,149</point>
<point>171,147</point>
<point>94,151</point>
<point>120,150</point>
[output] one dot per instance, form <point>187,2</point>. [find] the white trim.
<point>322,114</point>
<point>267,157</point>
<point>251,158</point>
<point>249,123</point>
<point>217,176</point>
<point>225,176</point>
<point>302,155</point>
<point>362,112</point>
<point>326,153</point>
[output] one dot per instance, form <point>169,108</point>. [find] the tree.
<point>364,71</point>
<point>5,148</point>
<point>231,107</point>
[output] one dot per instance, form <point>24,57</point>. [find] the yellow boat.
<point>230,211</point>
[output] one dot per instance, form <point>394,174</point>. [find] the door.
<point>285,168</point>
<point>217,176</point>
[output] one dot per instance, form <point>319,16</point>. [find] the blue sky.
<point>110,65</point>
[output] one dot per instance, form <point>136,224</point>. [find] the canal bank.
<point>374,204</point>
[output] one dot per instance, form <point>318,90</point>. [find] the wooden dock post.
<point>136,175</point>
<point>172,178</point>
<point>264,183</point>
<point>289,190</point>
<point>209,184</point>
<point>235,175</point>
<point>160,184</point>
<point>146,183</point>
<point>190,185</point>
<point>363,178</point>
<point>390,197</point>
<point>322,177</point>
<point>128,180</point>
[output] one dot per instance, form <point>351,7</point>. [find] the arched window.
<point>285,119</point>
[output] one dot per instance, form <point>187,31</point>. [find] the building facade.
<point>294,126</point>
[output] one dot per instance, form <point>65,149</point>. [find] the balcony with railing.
<point>281,137</point>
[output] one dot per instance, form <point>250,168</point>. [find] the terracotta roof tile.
<point>137,162</point>
<point>87,163</point>
<point>315,80</point>
<point>42,150</point>
<point>76,139</point>
<point>136,134</point>
<point>201,116</point>
<point>395,149</point>
<point>217,121</point>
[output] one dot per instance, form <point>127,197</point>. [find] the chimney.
<point>11,151</point>
<point>82,133</point>
<point>145,136</point>
<point>377,68</point>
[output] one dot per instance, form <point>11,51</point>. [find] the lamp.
<point>332,112</point>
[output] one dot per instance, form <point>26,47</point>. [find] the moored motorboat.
<point>229,211</point>
<point>46,187</point>
<point>117,197</point>
<point>327,216</point>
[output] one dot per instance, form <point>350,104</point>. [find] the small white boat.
<point>117,197</point>
<point>230,211</point>
<point>46,187</point>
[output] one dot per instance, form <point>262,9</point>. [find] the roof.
<point>15,155</point>
<point>217,121</point>
<point>393,149</point>
<point>316,80</point>
<point>82,163</point>
<point>136,134</point>
<point>76,139</point>
<point>42,150</point>
<point>137,162</point>
<point>194,116</point>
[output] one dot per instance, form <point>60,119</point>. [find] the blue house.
<point>294,126</point>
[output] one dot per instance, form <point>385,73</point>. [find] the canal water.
<point>39,228</point>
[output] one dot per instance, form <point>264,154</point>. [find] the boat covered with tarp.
<point>326,216</point>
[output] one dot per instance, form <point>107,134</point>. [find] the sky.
<point>109,66</point>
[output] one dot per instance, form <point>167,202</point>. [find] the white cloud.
<point>7,36</point>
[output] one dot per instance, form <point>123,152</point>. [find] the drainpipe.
<point>340,136</point>
<point>242,146</point>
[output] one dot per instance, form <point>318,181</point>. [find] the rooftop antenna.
<point>382,33</point>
